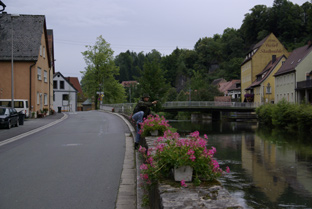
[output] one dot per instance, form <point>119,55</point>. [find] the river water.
<point>269,169</point>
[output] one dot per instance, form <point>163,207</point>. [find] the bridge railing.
<point>209,104</point>
<point>127,108</point>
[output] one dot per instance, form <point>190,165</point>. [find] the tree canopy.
<point>99,73</point>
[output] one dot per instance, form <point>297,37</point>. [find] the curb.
<point>128,194</point>
<point>15,138</point>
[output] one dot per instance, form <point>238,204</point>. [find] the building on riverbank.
<point>256,60</point>
<point>263,86</point>
<point>294,79</point>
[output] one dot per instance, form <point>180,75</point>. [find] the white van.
<point>19,105</point>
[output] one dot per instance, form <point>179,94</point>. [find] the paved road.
<point>74,164</point>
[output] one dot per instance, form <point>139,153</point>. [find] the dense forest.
<point>187,74</point>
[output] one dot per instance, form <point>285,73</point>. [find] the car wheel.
<point>9,125</point>
<point>17,123</point>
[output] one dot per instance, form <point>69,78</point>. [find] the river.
<point>269,169</point>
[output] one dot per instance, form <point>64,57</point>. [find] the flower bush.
<point>171,152</point>
<point>152,123</point>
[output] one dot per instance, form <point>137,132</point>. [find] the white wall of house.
<point>304,67</point>
<point>285,86</point>
<point>65,95</point>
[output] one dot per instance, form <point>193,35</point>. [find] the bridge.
<point>215,108</point>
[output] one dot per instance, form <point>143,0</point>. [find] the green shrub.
<point>264,113</point>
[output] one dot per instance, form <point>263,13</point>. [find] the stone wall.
<point>169,194</point>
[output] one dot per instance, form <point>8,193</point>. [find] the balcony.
<point>304,84</point>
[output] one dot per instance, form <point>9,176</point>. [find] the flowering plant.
<point>152,123</point>
<point>171,152</point>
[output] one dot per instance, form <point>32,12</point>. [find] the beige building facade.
<point>33,75</point>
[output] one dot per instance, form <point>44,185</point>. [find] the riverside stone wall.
<point>169,194</point>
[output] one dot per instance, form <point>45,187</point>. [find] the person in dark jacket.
<point>141,110</point>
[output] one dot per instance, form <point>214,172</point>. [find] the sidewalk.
<point>29,125</point>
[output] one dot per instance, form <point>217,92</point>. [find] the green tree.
<point>152,81</point>
<point>99,73</point>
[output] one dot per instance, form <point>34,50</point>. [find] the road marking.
<point>71,145</point>
<point>32,131</point>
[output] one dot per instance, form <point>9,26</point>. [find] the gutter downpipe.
<point>30,88</point>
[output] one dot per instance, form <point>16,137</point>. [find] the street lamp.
<point>12,63</point>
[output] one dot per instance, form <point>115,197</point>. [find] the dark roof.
<point>294,59</point>
<point>27,31</point>
<point>266,72</point>
<point>51,47</point>
<point>254,47</point>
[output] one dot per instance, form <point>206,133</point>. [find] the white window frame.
<point>38,98</point>
<point>40,50</point>
<point>39,73</point>
<point>45,76</point>
<point>43,52</point>
<point>45,96</point>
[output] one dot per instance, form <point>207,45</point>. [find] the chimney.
<point>273,58</point>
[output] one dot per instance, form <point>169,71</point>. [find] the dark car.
<point>8,117</point>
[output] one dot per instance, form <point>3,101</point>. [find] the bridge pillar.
<point>216,115</point>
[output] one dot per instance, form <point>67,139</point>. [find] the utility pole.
<point>12,61</point>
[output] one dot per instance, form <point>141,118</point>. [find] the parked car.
<point>9,117</point>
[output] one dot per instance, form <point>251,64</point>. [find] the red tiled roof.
<point>224,87</point>
<point>294,59</point>
<point>75,82</point>
<point>129,83</point>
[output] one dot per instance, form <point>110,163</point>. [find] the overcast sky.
<point>135,25</point>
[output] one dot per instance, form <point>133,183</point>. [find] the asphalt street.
<point>76,163</point>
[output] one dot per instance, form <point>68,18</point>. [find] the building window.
<point>45,76</point>
<point>40,50</point>
<point>38,98</point>
<point>45,96</point>
<point>53,96</point>
<point>65,97</point>
<point>54,84</point>
<point>39,74</point>
<point>268,89</point>
<point>43,52</point>
<point>61,84</point>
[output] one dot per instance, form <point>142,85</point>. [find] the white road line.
<point>32,131</point>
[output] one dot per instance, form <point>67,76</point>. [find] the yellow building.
<point>263,87</point>
<point>257,59</point>
<point>31,61</point>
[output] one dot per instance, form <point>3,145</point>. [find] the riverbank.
<point>291,117</point>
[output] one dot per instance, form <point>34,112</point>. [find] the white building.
<point>65,94</point>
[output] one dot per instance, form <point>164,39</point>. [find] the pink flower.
<point>183,183</point>
<point>190,152</point>
<point>205,136</point>
<point>144,176</point>
<point>227,169</point>
<point>192,157</point>
<point>143,167</point>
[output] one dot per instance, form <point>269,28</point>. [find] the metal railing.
<point>209,104</point>
<point>304,84</point>
<point>127,108</point>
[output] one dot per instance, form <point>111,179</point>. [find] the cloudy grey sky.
<point>135,25</point>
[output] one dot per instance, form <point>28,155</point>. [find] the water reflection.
<point>268,169</point>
